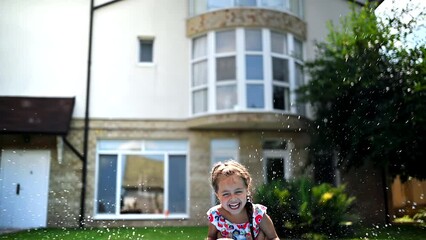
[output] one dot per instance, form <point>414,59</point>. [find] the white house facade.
<point>163,89</point>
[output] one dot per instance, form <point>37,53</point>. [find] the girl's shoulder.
<point>214,210</point>
<point>259,212</point>
<point>259,208</point>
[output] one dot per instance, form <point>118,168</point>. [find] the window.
<point>222,150</point>
<point>199,74</point>
<point>218,4</point>
<point>300,81</point>
<point>278,43</point>
<point>246,69</point>
<point>250,3</point>
<point>146,47</point>
<point>141,179</point>
<point>226,70</point>
<point>298,49</point>
<point>201,6</point>
<point>277,160</point>
<point>254,74</point>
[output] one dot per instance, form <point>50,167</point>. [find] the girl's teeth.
<point>234,206</point>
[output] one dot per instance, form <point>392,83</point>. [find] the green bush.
<point>420,217</point>
<point>301,209</point>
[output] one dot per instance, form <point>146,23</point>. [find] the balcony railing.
<point>295,7</point>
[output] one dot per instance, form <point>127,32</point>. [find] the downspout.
<point>86,116</point>
<point>86,123</point>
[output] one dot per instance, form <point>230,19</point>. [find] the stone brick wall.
<point>246,17</point>
<point>65,185</point>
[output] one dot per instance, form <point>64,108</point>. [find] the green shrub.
<point>420,217</point>
<point>301,209</point>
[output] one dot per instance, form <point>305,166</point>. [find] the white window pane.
<point>280,69</point>
<point>199,73</point>
<point>226,97</point>
<point>275,4</point>
<point>119,145</point>
<point>253,39</point>
<point>254,67</point>
<point>142,189</point>
<point>300,80</point>
<point>217,4</point>
<point>166,145</point>
<point>198,6</point>
<point>255,96</point>
<point>177,184</point>
<point>298,49</point>
<point>223,144</point>
<point>295,7</point>
<point>225,68</point>
<point>246,2</point>
<point>107,184</point>
<point>199,101</point>
<point>225,41</point>
<point>278,43</point>
<point>280,98</point>
<point>199,47</point>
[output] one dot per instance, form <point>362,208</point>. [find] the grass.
<point>157,233</point>
<point>395,232</point>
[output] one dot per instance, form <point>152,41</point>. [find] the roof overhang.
<point>35,115</point>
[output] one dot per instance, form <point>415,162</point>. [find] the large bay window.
<point>141,179</point>
<point>246,69</point>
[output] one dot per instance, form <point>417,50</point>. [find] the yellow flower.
<point>326,196</point>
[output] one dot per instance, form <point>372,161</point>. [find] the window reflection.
<point>281,98</point>
<point>225,41</point>
<point>254,67</point>
<point>226,97</point>
<point>142,189</point>
<point>142,182</point>
<point>225,68</point>
<point>255,96</point>
<point>280,69</point>
<point>106,184</point>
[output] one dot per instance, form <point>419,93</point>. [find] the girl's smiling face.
<point>232,193</point>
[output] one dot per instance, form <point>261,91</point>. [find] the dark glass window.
<point>280,69</point>
<point>274,169</point>
<point>146,50</point>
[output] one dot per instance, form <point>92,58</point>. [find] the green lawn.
<point>160,233</point>
<point>395,232</point>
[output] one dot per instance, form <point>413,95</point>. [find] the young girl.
<point>236,217</point>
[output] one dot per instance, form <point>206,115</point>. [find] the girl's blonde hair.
<point>229,168</point>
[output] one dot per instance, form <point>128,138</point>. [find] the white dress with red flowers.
<point>233,230</point>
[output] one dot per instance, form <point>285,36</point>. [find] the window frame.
<point>222,148</point>
<point>141,39</point>
<point>121,148</point>
<point>243,82</point>
<point>275,152</point>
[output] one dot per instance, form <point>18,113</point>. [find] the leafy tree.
<point>369,94</point>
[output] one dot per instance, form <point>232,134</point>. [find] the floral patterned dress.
<point>233,230</point>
